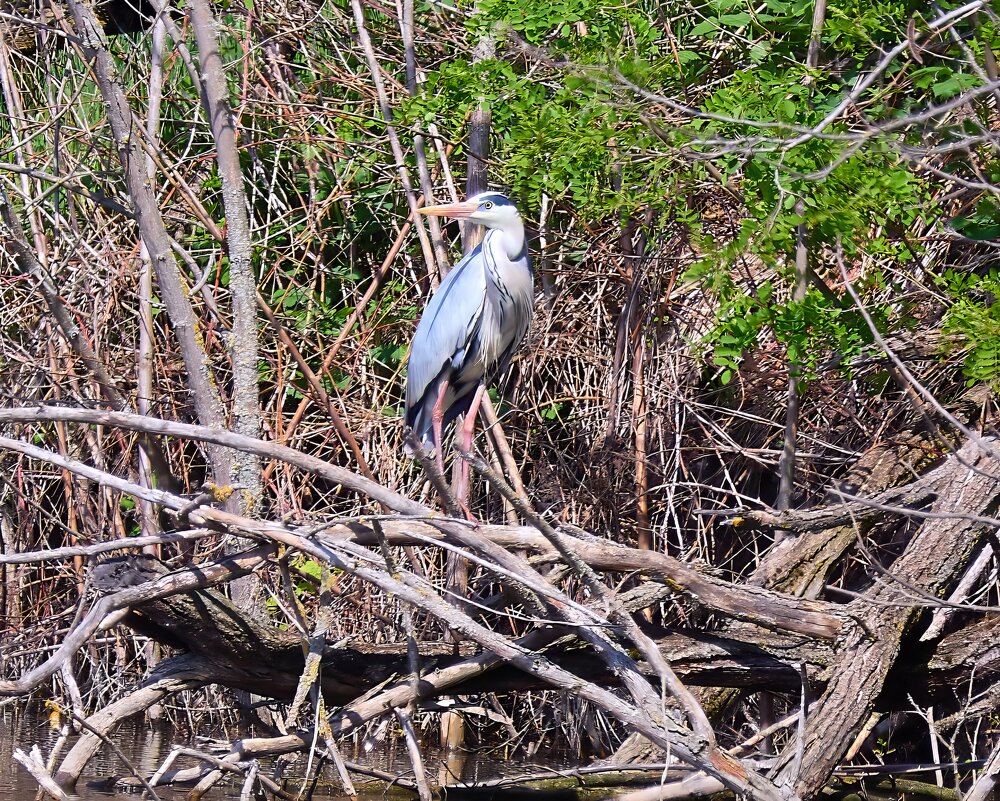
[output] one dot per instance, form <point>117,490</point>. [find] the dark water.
<point>147,746</point>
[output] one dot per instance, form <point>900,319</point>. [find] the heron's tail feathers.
<point>412,437</point>
<point>418,429</point>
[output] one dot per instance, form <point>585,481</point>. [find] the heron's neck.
<point>510,236</point>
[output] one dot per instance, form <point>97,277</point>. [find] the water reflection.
<point>146,745</point>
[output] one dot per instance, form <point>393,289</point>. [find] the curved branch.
<point>218,436</point>
<point>752,604</point>
<point>192,578</point>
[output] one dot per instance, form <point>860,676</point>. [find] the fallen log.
<point>768,639</point>
<point>225,646</point>
<point>955,499</point>
<point>260,658</point>
<point>967,486</point>
<point>800,565</point>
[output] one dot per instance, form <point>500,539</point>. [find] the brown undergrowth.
<point>625,550</point>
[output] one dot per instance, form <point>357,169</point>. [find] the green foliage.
<point>982,224</point>
<point>972,324</point>
<point>572,143</point>
<point>810,329</point>
<point>578,138</point>
<point>584,28</point>
<point>556,411</point>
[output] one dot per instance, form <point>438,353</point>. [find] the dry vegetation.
<point>739,507</point>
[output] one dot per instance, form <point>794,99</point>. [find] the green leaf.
<point>736,20</point>
<point>705,27</point>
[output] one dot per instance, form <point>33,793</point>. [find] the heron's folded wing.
<point>444,332</point>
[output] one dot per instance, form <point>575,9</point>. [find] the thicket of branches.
<point>747,447</point>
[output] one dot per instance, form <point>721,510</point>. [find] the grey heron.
<point>471,327</point>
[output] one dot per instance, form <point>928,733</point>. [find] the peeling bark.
<point>969,484</point>
<point>172,291</point>
<point>242,278</point>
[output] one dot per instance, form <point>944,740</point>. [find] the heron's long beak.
<point>450,210</point>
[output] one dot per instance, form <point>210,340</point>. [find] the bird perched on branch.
<point>472,326</point>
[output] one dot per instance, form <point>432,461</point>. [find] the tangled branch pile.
<point>748,448</point>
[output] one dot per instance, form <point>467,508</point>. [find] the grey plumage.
<point>476,320</point>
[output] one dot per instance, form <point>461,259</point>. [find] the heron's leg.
<point>465,443</point>
<point>437,423</point>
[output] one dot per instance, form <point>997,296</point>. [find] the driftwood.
<point>856,657</point>
<point>236,649</point>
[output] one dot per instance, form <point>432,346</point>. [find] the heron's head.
<point>487,208</point>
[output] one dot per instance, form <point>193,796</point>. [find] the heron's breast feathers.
<point>510,294</point>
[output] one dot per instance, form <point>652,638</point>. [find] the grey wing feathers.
<point>443,335</point>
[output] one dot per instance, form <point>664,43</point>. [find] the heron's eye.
<point>488,205</point>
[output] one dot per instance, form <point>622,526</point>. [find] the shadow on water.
<point>505,794</point>
<point>468,777</point>
<point>147,745</point>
